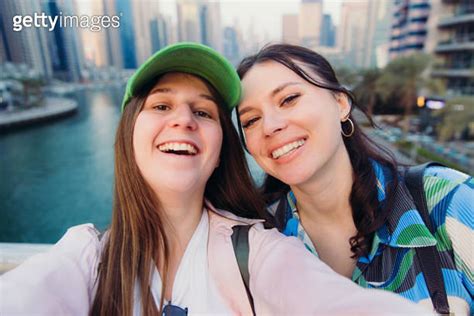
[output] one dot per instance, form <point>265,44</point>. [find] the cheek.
<point>218,145</point>
<point>145,130</point>
<point>253,142</point>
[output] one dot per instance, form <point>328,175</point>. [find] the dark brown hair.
<point>367,212</point>
<point>136,238</point>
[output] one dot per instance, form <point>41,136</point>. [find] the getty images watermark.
<point>94,23</point>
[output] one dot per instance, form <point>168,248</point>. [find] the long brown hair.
<point>136,238</point>
<point>367,212</point>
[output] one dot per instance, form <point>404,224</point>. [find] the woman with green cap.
<point>181,186</point>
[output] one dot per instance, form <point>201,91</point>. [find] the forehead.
<point>182,80</point>
<point>263,78</point>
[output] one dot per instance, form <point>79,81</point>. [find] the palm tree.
<point>405,77</point>
<point>366,91</point>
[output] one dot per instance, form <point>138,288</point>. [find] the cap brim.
<point>190,58</point>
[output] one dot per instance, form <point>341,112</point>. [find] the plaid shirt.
<point>392,263</point>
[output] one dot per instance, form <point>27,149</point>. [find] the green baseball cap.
<point>193,58</point>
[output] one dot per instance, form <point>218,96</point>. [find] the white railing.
<point>12,254</point>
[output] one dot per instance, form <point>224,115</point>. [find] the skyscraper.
<point>352,32</point>
<point>143,13</point>
<point>289,29</point>
<point>231,45</point>
<point>30,46</point>
<point>309,22</point>
<point>189,27</point>
<point>362,34</point>
<point>127,36</point>
<point>64,45</point>
<point>160,29</point>
<point>114,49</point>
<point>328,32</point>
<point>210,24</point>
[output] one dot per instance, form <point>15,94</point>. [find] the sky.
<point>263,16</point>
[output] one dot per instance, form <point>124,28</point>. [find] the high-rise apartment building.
<point>452,40</point>
<point>409,27</point>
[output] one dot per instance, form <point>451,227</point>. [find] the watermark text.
<point>95,23</point>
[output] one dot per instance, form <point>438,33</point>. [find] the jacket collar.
<point>404,227</point>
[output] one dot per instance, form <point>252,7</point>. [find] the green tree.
<point>347,76</point>
<point>366,91</point>
<point>456,118</point>
<point>404,78</point>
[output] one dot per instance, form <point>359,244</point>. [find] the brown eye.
<point>203,114</point>
<point>250,122</point>
<point>289,99</point>
<point>161,107</point>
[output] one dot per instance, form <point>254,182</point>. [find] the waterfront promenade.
<point>52,107</point>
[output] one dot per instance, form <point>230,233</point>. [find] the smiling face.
<point>292,128</point>
<point>177,136</point>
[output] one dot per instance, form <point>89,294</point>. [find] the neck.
<point>183,212</point>
<point>325,197</point>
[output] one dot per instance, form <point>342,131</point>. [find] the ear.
<point>345,106</point>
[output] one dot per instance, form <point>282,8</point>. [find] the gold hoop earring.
<point>352,128</point>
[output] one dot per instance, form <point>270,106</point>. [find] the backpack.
<point>428,256</point>
<point>240,241</point>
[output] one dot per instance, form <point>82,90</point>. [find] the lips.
<point>287,148</point>
<point>178,148</point>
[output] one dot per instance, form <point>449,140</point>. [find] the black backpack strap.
<point>240,241</point>
<point>428,257</point>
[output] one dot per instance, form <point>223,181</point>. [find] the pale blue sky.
<point>265,15</point>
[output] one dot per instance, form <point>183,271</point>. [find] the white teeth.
<point>287,148</point>
<point>178,147</point>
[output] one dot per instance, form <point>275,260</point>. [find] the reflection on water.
<point>60,174</point>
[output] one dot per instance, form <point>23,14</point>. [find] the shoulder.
<point>449,193</point>
<point>79,248</point>
<point>60,280</point>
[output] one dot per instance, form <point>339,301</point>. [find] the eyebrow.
<point>283,86</point>
<point>168,90</point>
<point>272,94</point>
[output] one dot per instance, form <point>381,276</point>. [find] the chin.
<point>293,178</point>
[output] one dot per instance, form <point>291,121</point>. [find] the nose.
<point>183,117</point>
<point>273,122</point>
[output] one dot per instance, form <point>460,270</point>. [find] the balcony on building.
<point>464,42</point>
<point>462,14</point>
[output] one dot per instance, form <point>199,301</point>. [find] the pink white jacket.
<point>285,279</point>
